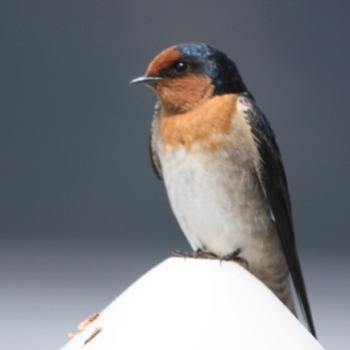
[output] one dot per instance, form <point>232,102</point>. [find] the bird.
<point>222,168</point>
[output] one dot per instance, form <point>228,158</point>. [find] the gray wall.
<point>82,214</point>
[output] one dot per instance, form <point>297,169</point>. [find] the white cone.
<point>192,304</point>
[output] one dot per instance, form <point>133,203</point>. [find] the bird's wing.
<point>156,166</point>
<point>274,185</point>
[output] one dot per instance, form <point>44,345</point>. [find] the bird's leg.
<point>235,256</point>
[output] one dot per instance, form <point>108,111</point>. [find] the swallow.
<point>218,157</point>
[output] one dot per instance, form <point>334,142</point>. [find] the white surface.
<point>196,304</point>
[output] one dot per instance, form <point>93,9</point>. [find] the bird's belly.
<point>218,203</point>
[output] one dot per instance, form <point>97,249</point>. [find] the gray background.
<point>82,214</point>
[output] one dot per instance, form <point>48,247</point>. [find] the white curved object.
<point>191,304</point>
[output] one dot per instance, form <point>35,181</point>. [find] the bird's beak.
<point>145,80</point>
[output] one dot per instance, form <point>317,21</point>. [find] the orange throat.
<point>180,95</point>
<point>205,125</point>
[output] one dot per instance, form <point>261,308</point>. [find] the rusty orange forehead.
<point>163,60</point>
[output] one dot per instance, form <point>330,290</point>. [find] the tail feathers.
<point>300,289</point>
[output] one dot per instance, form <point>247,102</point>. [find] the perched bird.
<point>222,168</point>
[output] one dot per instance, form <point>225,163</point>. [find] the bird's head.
<point>186,75</point>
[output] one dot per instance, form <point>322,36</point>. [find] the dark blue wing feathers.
<point>276,190</point>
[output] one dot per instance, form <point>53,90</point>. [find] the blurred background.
<point>82,214</point>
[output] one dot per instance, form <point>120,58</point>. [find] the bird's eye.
<point>180,66</point>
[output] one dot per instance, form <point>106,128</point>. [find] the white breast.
<point>218,203</point>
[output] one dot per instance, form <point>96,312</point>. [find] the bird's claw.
<point>235,256</point>
<point>180,254</point>
<point>198,254</point>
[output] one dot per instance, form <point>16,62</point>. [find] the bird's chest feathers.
<point>209,164</point>
<point>217,131</point>
<point>204,127</point>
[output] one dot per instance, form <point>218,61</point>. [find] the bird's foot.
<point>180,254</point>
<point>235,256</point>
<point>198,254</point>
